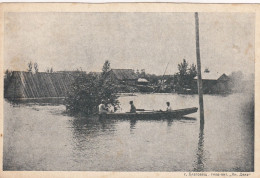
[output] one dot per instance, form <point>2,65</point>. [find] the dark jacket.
<point>133,109</point>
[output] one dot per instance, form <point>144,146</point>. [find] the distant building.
<point>214,82</point>
<point>123,76</point>
<point>223,84</point>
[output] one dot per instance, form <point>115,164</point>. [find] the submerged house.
<point>38,85</point>
<point>214,83</point>
<point>223,84</point>
<point>123,76</point>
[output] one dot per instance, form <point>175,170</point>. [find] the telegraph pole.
<point>199,80</point>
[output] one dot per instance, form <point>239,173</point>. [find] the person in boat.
<point>102,108</point>
<point>110,108</point>
<point>169,108</point>
<point>132,109</point>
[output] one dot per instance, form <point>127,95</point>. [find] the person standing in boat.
<point>132,109</point>
<point>169,108</point>
<point>102,108</point>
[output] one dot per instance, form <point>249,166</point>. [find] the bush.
<point>87,92</point>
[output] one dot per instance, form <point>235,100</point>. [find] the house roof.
<point>223,77</point>
<point>38,85</point>
<point>125,74</point>
<point>142,80</point>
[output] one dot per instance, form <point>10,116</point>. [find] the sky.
<point>70,41</point>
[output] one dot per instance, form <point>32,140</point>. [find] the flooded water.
<point>41,137</point>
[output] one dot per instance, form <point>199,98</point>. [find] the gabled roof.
<point>38,85</point>
<point>223,77</point>
<point>124,74</point>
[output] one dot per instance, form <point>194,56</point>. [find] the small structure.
<point>123,76</point>
<point>142,81</point>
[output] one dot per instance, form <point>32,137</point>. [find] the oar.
<point>143,110</point>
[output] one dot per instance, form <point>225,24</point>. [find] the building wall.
<point>213,86</point>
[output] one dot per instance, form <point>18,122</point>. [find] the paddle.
<point>143,110</point>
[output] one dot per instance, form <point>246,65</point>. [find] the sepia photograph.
<point>129,91</point>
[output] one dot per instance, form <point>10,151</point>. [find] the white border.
<point>176,1</point>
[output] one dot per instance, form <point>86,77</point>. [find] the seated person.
<point>168,106</point>
<point>132,109</point>
<point>110,108</point>
<point>102,108</point>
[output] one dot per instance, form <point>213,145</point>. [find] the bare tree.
<point>36,69</point>
<point>29,67</point>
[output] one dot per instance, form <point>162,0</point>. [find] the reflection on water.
<point>41,137</point>
<point>199,166</point>
<point>132,125</point>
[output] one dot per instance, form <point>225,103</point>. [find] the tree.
<point>88,90</point>
<point>36,69</point>
<point>192,72</point>
<point>49,70</point>
<point>183,67</point>
<point>183,79</point>
<point>137,73</point>
<point>29,67</point>
<point>107,88</point>
<point>106,67</point>
<point>142,74</point>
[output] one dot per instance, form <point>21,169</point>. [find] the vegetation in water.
<point>88,90</point>
<point>183,79</point>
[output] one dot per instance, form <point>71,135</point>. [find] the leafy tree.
<point>192,71</point>
<point>183,79</point>
<point>106,67</point>
<point>183,68</point>
<point>88,90</point>
<point>107,88</point>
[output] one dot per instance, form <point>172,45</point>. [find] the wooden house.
<point>214,83</point>
<point>123,76</point>
<point>38,85</point>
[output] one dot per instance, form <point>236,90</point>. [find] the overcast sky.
<point>69,41</point>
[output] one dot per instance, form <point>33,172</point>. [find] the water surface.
<point>41,137</point>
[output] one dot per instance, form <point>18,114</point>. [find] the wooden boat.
<point>153,115</point>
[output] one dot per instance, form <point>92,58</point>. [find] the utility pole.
<point>199,80</point>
